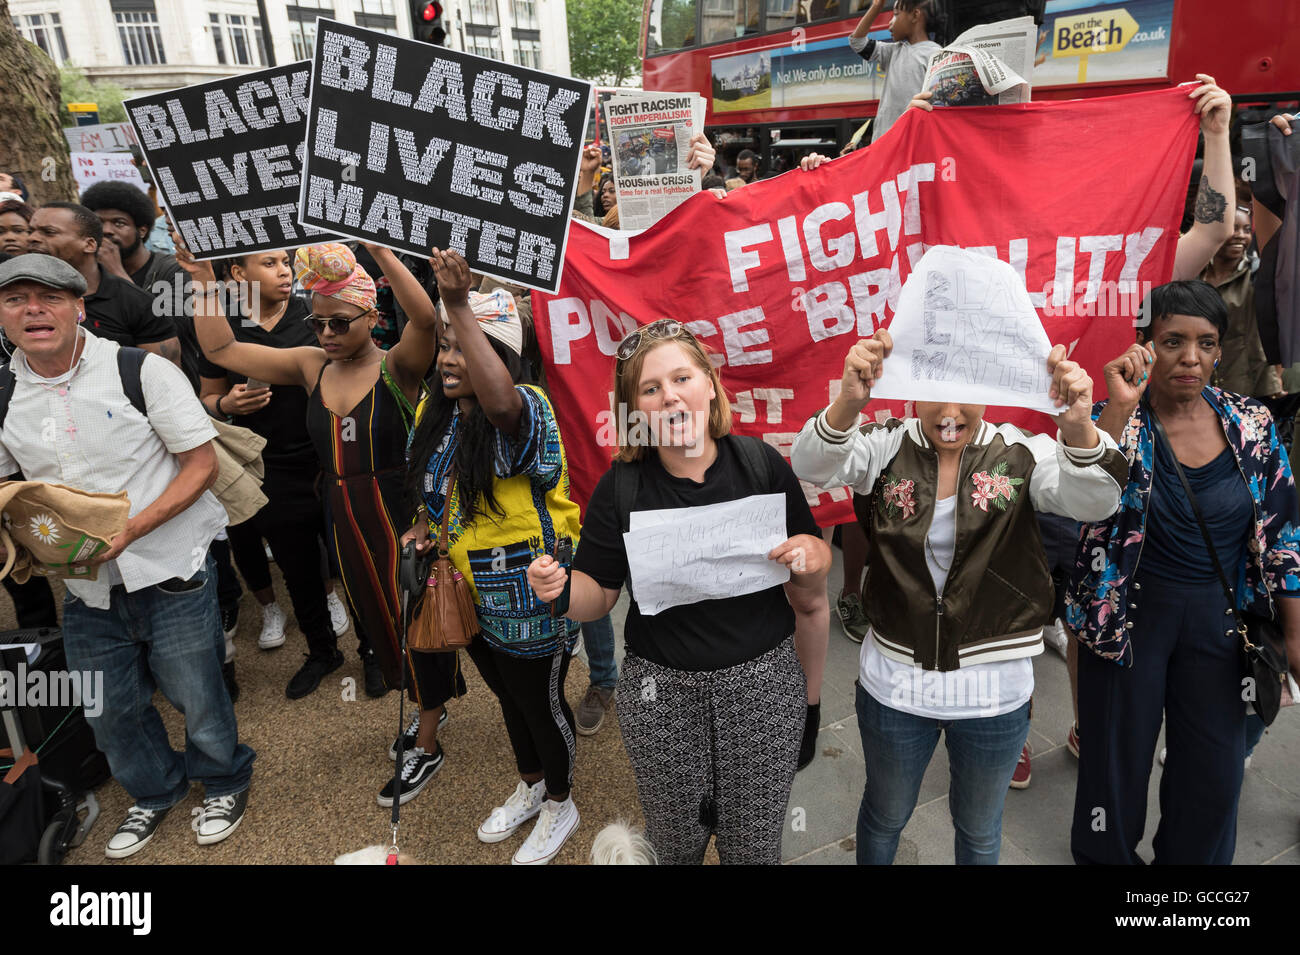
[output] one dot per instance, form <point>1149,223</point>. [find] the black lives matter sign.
<point>414,146</point>
<point>226,156</point>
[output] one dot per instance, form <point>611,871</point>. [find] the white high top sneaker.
<point>524,803</point>
<point>273,621</point>
<point>555,823</point>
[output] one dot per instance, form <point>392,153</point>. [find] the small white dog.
<point>619,844</point>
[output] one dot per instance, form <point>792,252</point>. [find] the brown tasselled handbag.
<point>445,620</point>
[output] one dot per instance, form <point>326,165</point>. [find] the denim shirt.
<point>1097,598</point>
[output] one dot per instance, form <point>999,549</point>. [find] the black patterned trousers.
<point>714,753</point>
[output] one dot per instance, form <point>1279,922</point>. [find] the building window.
<point>302,28</point>
<point>483,11</point>
<point>483,41</point>
<point>231,32</point>
<point>525,12</point>
<point>376,15</point>
<point>46,31</point>
<point>140,35</point>
<point>528,52</point>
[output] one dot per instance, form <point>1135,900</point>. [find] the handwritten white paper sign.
<point>687,554</point>
<point>965,331</point>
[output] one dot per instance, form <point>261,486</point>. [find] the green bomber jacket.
<point>998,594</point>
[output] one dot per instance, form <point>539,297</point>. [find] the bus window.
<point>672,25</point>
<point>781,14</point>
<point>728,19</point>
<point>811,11</point>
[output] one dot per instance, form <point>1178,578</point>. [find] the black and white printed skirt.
<point>714,753</point>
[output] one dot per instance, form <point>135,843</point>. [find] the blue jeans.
<point>158,638</point>
<point>982,753</point>
<point>598,638</point>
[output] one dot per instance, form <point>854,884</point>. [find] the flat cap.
<point>45,269</point>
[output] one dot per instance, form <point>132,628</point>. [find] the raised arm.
<point>408,361</point>
<point>1216,198</point>
<point>278,366</point>
<point>868,18</point>
<point>493,389</point>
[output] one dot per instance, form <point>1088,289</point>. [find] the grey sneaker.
<point>589,717</point>
<point>852,620</point>
<point>134,834</point>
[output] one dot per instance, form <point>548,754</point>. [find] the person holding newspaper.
<point>948,500</point>
<point>711,701</point>
<point>903,58</point>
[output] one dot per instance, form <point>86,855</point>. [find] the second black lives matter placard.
<point>414,146</point>
<point>226,155</point>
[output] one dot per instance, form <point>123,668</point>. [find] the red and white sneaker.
<point>1020,778</point>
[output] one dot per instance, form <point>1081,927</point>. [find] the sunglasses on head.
<point>339,326</point>
<point>661,330</point>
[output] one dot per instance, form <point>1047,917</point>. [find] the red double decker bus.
<point>779,78</point>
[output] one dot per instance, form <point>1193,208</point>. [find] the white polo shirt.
<point>81,430</point>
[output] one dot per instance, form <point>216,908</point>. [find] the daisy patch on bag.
<point>44,529</point>
<point>995,487</point>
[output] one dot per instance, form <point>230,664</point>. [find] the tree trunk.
<point>31,140</point>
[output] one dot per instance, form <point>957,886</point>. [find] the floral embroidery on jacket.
<point>995,486</point>
<point>899,497</point>
<point>1096,598</point>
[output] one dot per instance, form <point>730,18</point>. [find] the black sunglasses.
<point>339,326</point>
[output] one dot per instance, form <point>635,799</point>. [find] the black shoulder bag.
<point>1263,644</point>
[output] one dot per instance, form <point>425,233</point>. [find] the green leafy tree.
<point>603,40</point>
<point>78,88</point>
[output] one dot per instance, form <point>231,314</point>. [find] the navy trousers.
<point>1186,668</point>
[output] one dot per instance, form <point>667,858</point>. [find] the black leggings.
<point>292,524</point>
<point>538,718</point>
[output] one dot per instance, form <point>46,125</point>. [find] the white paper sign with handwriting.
<point>965,331</point>
<point>683,555</point>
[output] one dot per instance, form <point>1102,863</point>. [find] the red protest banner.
<point>1083,198</point>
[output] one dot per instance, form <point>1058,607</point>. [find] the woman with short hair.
<point>1146,600</point>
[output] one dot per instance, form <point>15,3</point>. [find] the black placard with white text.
<point>226,157</point>
<point>415,146</point>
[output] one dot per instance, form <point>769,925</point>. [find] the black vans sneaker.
<point>417,770</point>
<point>412,731</point>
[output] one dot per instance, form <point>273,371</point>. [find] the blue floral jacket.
<point>1097,597</point>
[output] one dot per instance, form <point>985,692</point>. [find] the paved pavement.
<point>822,817</point>
<point>322,758</point>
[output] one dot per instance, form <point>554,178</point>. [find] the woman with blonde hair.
<point>711,700</point>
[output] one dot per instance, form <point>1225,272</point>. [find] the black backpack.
<point>754,461</point>
<point>129,363</point>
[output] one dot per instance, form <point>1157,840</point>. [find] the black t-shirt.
<point>125,314</point>
<point>283,422</point>
<point>157,271</point>
<point>711,634</point>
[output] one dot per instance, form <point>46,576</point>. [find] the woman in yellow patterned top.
<point>495,446</point>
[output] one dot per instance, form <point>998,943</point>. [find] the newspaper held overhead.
<point>649,137</point>
<point>985,66</point>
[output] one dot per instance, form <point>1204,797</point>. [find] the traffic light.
<point>426,22</point>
